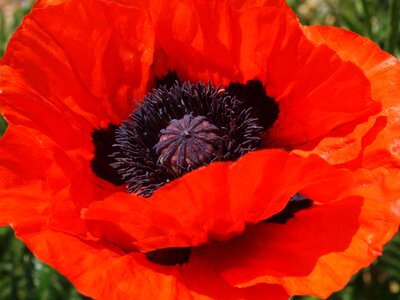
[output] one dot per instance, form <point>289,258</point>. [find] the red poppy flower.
<point>277,178</point>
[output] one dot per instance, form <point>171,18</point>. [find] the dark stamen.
<point>297,202</point>
<point>253,94</point>
<point>149,150</point>
<point>167,80</point>
<point>169,256</point>
<point>178,129</point>
<point>103,141</point>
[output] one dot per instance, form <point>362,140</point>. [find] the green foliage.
<point>3,125</point>
<point>381,280</point>
<point>391,260</point>
<point>392,44</point>
<point>3,33</point>
<point>7,28</point>
<point>23,277</point>
<point>378,20</point>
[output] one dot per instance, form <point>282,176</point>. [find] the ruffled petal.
<point>56,86</point>
<point>187,30</point>
<point>101,271</point>
<point>89,73</point>
<point>40,180</point>
<point>313,87</point>
<point>20,180</point>
<point>21,104</point>
<point>263,40</point>
<point>378,222</point>
<point>201,276</point>
<point>33,189</point>
<point>217,202</point>
<point>378,140</point>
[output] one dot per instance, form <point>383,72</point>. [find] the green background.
<point>24,277</point>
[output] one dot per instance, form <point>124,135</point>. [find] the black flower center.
<point>164,138</point>
<point>181,128</point>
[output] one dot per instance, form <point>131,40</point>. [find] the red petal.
<point>239,42</point>
<point>313,86</point>
<point>383,72</point>
<point>291,249</point>
<point>22,105</point>
<point>89,72</point>
<point>218,201</point>
<point>221,41</point>
<point>39,180</point>
<point>101,271</point>
<point>53,96</point>
<point>22,199</point>
<point>98,270</point>
<point>378,222</point>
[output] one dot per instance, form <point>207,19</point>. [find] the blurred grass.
<point>378,20</point>
<point>23,277</point>
<point>11,14</point>
<point>3,126</point>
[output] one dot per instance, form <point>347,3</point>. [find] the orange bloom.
<point>278,178</point>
